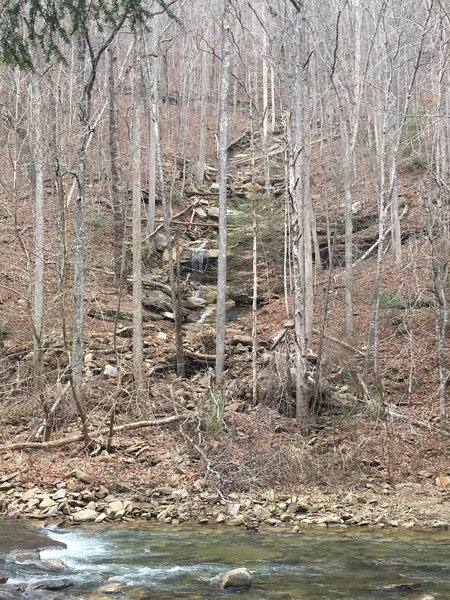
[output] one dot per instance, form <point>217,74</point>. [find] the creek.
<point>185,562</point>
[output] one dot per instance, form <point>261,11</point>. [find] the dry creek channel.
<point>139,561</point>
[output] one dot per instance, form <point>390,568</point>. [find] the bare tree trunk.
<point>38,311</point>
<point>116,187</point>
<point>151,109</point>
<point>439,240</point>
<point>223,129</point>
<point>347,170</point>
<point>174,283</point>
<point>85,84</point>
<point>84,109</point>
<point>301,219</point>
<point>135,159</point>
<point>204,78</point>
<point>255,301</point>
<point>265,103</point>
<point>387,137</point>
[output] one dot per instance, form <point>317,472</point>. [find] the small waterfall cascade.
<point>199,257</point>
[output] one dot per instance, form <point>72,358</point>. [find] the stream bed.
<point>180,562</point>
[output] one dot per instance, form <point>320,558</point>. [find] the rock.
<point>297,507</point>
<point>51,584</point>
<point>3,578</point>
<point>94,596</point>
<point>262,513</point>
<point>115,506</point>
<point>140,592</point>
<point>49,512</point>
<point>29,494</point>
<point>86,514</point>
<point>101,517</point>
<point>112,587</point>
<point>19,556</point>
<point>234,509</point>
<point>398,587</point>
<point>8,595</point>
<point>81,476</point>
<point>200,212</point>
<point>236,578</point>
<point>110,371</point>
<point>160,241</point>
<point>442,481</point>
<point>194,302</point>
<point>269,495</point>
<point>213,211</point>
<point>52,566</point>
<point>88,358</point>
<point>60,494</point>
<point>46,502</point>
<point>245,340</point>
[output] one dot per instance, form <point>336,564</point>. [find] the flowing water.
<point>187,562</point>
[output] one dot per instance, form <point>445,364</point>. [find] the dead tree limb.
<point>79,436</point>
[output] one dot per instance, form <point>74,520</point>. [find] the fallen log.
<point>206,358</point>
<point>111,314</point>
<point>105,431</point>
<point>393,411</point>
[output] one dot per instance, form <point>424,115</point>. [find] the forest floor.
<point>359,457</point>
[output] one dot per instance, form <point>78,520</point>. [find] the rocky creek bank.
<point>407,505</point>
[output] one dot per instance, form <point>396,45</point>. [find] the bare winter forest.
<point>225,227</point>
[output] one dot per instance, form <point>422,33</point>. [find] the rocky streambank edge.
<point>407,505</point>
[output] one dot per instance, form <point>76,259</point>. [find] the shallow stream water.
<point>187,562</point>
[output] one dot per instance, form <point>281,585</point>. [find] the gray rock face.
<point>236,579</point>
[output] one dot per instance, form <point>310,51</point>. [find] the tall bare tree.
<point>298,141</point>
<point>223,131</point>
<point>135,159</point>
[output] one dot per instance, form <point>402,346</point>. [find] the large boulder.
<point>236,579</point>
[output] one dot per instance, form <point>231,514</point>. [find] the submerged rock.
<point>236,578</point>
<point>140,592</point>
<point>407,586</point>
<point>112,587</point>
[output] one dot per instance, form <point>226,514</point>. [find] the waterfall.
<point>198,257</point>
